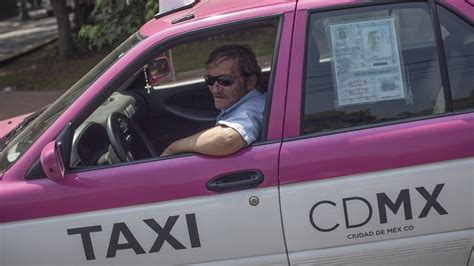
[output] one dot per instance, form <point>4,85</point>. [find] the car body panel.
<point>8,124</point>
<point>452,248</point>
<point>219,10</point>
<point>343,212</point>
<point>110,187</point>
<point>377,149</point>
<point>203,228</point>
<point>357,195</point>
<point>462,7</point>
<point>390,193</point>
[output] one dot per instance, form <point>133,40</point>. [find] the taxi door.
<point>376,167</point>
<point>160,211</point>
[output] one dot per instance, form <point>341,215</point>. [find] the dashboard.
<point>91,145</point>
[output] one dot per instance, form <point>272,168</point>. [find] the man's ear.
<point>251,82</point>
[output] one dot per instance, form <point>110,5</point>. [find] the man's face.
<point>225,96</point>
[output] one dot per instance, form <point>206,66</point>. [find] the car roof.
<point>205,9</point>
<point>215,8</point>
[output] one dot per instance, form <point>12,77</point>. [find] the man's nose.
<point>215,87</point>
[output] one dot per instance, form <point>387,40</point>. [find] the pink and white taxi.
<point>366,155</point>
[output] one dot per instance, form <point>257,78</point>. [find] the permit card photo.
<point>366,61</point>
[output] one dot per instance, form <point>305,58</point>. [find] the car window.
<point>370,65</point>
<point>459,51</point>
<point>166,99</point>
<point>19,144</point>
<point>187,60</point>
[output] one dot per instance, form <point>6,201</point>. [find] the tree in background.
<point>115,20</point>
<point>66,44</point>
<point>25,15</point>
<point>82,13</point>
<point>35,3</point>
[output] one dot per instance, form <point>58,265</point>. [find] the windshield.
<point>24,139</point>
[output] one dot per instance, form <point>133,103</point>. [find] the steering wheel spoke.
<point>123,134</point>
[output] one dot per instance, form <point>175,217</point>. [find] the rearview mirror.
<point>158,70</point>
<point>52,161</point>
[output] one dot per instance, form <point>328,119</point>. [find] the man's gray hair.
<point>246,57</point>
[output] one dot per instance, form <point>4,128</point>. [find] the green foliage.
<point>114,22</point>
<point>193,55</point>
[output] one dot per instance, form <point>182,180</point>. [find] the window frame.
<point>439,35</point>
<point>148,55</point>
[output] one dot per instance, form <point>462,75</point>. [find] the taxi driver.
<point>232,74</point>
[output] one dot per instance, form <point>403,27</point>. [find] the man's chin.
<point>220,104</point>
<point>219,107</point>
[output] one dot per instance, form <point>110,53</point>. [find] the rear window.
<point>370,65</point>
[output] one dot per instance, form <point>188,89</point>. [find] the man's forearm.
<point>217,141</point>
<point>180,146</point>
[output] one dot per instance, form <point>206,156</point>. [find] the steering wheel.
<point>126,136</point>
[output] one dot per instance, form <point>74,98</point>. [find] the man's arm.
<point>216,141</point>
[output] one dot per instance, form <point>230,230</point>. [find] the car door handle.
<point>236,181</point>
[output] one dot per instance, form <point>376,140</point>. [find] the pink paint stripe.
<point>462,7</point>
<point>377,149</point>
<point>293,102</point>
<point>129,185</point>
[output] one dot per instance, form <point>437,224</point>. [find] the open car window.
<point>187,61</point>
<point>166,98</point>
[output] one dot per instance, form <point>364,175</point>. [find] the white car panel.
<point>227,227</point>
<point>427,199</point>
<point>438,249</point>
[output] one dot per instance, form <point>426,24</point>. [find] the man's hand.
<point>216,141</point>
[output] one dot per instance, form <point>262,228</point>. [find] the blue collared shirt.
<point>245,116</point>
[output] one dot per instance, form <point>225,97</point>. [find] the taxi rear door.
<point>377,165</point>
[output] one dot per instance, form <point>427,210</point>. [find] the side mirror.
<point>52,161</point>
<point>158,70</point>
<point>55,156</point>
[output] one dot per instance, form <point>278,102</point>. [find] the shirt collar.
<point>252,93</point>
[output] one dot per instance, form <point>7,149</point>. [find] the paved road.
<point>16,38</point>
<point>20,102</point>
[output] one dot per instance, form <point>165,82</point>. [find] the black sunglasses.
<point>224,80</point>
